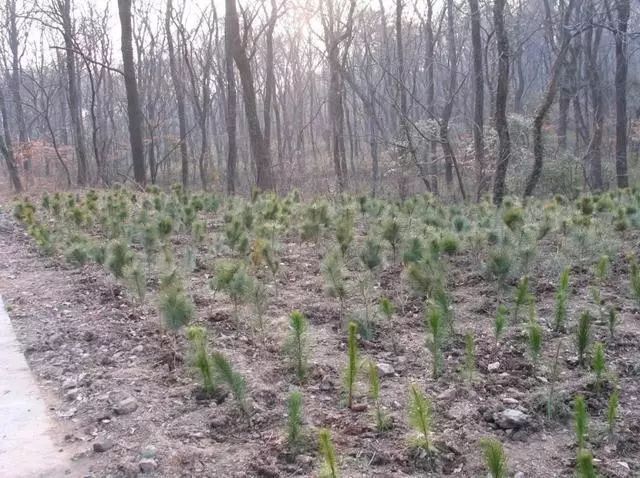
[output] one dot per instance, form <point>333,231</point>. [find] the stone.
<point>71,395</point>
<point>519,475</point>
<point>493,367</point>
<point>100,445</point>
<point>510,418</point>
<point>147,465</point>
<point>448,394</point>
<point>384,369</point>
<point>149,451</point>
<point>69,384</point>
<point>126,406</point>
<point>510,401</point>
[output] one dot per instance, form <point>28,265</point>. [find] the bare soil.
<point>91,346</point>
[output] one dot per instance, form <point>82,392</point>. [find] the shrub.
<point>499,265</point>
<point>449,244</point>
<point>118,257</point>
<point>414,252</point>
<point>344,231</point>
<point>534,334</point>
<point>233,279</point>
<point>370,254</point>
<point>513,217</point>
<point>495,459</point>
<point>176,308</point>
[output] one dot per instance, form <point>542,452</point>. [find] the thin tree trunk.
<point>6,148</point>
<point>478,93</point>
<point>622,7</point>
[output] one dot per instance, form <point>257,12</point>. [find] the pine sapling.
<point>420,418</point>
<point>333,273</point>
<point>232,379</point>
<point>598,363</point>
<point>584,465</point>
<point>176,308</point>
<point>500,322</point>
<point>391,233</point>
<point>136,279</point>
<point>382,421</point>
<point>581,419</point>
<point>562,296</point>
<point>612,320</point>
<point>522,296</point>
<point>328,452</point>
<point>612,411</point>
<point>602,269</point>
<point>534,335</point>
<point>583,336</point>
<point>351,371</point>
<point>495,459</point>
<point>634,279</point>
<point>296,345</point>
<point>294,421</point>
<point>201,360</point>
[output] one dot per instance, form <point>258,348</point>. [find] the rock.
<point>493,367</point>
<point>519,475</point>
<point>384,369</point>
<point>88,336</point>
<point>102,444</point>
<point>126,406</point>
<point>71,395</point>
<point>147,465</point>
<point>69,384</point>
<point>510,419</point>
<point>304,460</point>
<point>149,451</point>
<point>510,401</point>
<point>359,407</point>
<point>448,394</point>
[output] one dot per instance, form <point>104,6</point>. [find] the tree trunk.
<point>133,100</point>
<point>261,154</point>
<point>74,93</point>
<point>6,148</point>
<point>502,93</point>
<point>478,93</point>
<point>179,90</point>
<point>230,109</point>
<point>541,113</point>
<point>622,7</point>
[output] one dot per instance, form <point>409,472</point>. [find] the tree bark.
<point>622,7</point>
<point>478,93</point>
<point>179,90</point>
<point>502,93</point>
<point>6,148</point>
<point>133,100</point>
<point>541,113</point>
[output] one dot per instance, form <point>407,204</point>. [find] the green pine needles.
<point>295,429</point>
<point>420,418</point>
<point>522,296</point>
<point>495,459</point>
<point>176,308</point>
<point>612,411</point>
<point>201,360</point>
<point>598,363</point>
<point>534,336</point>
<point>584,465</point>
<point>236,383</point>
<point>435,323</point>
<point>296,345</point>
<point>333,272</point>
<point>351,371</point>
<point>328,452</point>
<point>562,297</point>
<point>469,356</point>
<point>634,279</point>
<point>500,322</point>
<point>583,336</point>
<point>581,421</point>
<point>382,421</point>
<point>392,234</point>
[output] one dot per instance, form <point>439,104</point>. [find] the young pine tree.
<point>522,296</point>
<point>634,279</point>
<point>581,419</point>
<point>392,234</point>
<point>435,325</point>
<point>420,418</point>
<point>201,360</point>
<point>176,308</point>
<point>584,465</point>
<point>495,459</point>
<point>387,309</point>
<point>598,363</point>
<point>382,421</point>
<point>328,452</point>
<point>295,428</point>
<point>562,297</point>
<point>233,380</point>
<point>351,371</point>
<point>500,322</point>
<point>296,345</point>
<point>583,336</point>
<point>534,335</point>
<point>333,272</point>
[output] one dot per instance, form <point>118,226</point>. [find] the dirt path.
<point>27,433</point>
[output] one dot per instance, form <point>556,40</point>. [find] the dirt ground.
<point>91,348</point>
